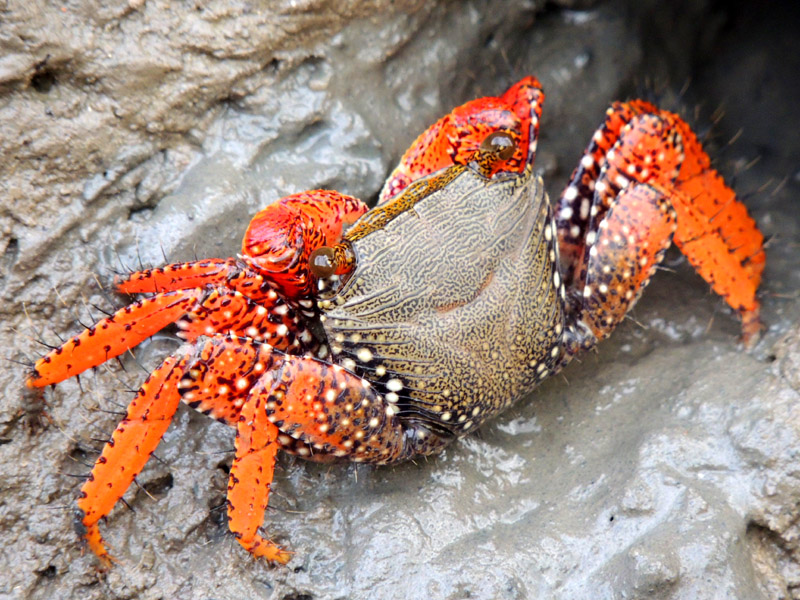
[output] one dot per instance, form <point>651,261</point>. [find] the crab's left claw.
<point>457,138</point>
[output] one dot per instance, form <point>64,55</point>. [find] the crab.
<point>380,335</point>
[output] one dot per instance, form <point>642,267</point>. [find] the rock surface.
<point>662,466</point>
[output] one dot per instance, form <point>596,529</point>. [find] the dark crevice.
<point>48,573</point>
<point>158,488</point>
<point>43,82</point>
<point>10,254</point>
<point>44,77</point>
<point>273,66</point>
<point>83,456</point>
<point>135,210</point>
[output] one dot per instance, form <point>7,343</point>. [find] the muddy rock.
<point>661,466</point>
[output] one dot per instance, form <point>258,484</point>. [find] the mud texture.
<point>663,466</point>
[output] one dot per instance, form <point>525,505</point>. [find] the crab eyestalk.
<point>501,143</point>
<point>496,148</point>
<point>332,260</point>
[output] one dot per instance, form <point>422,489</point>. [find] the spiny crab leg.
<point>124,456</point>
<point>198,373</point>
<point>198,311</point>
<point>641,144</point>
<point>321,405</point>
<point>216,295</point>
<point>225,370</point>
<point>182,276</point>
<point>112,336</point>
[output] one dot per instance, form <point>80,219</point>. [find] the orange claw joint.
<point>456,138</point>
<point>281,238</point>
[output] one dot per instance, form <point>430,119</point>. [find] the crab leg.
<point>179,276</point>
<point>640,143</point>
<point>628,246</point>
<point>714,227</point>
<point>218,379</point>
<point>250,480</point>
<point>217,376</point>
<point>125,454</point>
<point>112,336</point>
<point>198,312</point>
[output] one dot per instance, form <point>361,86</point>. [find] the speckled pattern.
<point>431,296</point>
<point>640,144</point>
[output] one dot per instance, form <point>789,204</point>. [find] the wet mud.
<point>664,465</point>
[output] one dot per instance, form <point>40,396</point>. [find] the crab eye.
<point>500,143</point>
<point>323,262</point>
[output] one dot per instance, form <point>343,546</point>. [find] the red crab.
<point>437,309</point>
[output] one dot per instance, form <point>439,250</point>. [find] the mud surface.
<point>662,466</point>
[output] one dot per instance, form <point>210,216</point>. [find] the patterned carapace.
<point>443,305</point>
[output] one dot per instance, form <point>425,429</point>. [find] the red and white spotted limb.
<point>217,296</point>
<point>647,156</point>
<point>274,400</point>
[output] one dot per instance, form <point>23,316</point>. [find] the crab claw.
<point>458,137</point>
<point>281,238</point>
